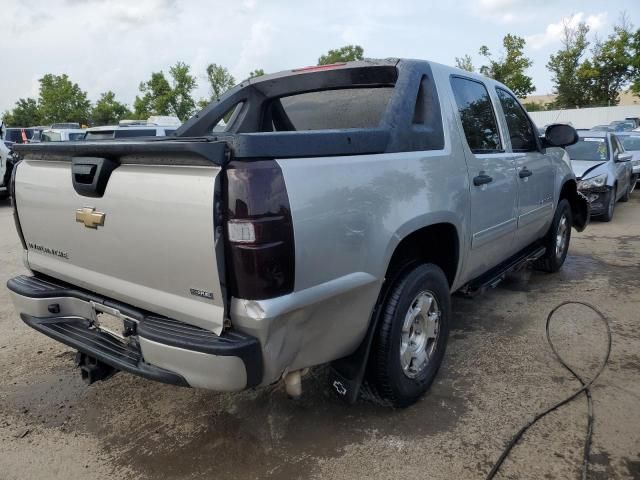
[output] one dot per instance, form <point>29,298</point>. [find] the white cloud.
<point>114,44</point>
<point>554,31</point>
<point>504,11</point>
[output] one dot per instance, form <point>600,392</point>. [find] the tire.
<point>625,197</point>
<point>418,337</point>
<point>607,216</point>
<point>557,239</point>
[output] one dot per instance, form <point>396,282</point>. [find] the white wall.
<point>585,117</point>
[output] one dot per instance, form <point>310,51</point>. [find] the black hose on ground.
<point>585,389</point>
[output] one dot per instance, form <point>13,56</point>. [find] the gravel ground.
<point>497,372</point>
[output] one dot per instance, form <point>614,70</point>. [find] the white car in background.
<point>62,134</point>
<point>155,126</point>
<point>5,170</point>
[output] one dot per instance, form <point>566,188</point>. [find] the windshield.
<point>591,149</point>
<point>631,143</point>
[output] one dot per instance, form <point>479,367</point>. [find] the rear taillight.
<point>12,192</point>
<point>259,231</point>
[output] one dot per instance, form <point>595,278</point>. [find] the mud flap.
<point>347,374</point>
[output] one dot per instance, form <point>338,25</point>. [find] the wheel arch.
<point>437,243</point>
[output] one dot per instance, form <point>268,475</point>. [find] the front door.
<point>535,173</point>
<point>492,178</point>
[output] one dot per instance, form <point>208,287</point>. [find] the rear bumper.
<point>156,347</point>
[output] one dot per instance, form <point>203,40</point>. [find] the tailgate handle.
<point>91,174</point>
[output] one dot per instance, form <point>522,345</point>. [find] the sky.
<point>114,44</point>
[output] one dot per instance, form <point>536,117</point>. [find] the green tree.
<point>570,76</point>
<point>62,100</point>
<point>611,65</point>
<point>510,68</point>
<point>220,80</point>
<point>534,106</point>
<point>108,111</point>
<point>161,97</point>
<point>348,53</point>
<point>25,114</point>
<point>465,63</point>
<point>635,63</point>
<point>258,72</point>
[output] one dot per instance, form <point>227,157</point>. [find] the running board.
<point>494,276</point>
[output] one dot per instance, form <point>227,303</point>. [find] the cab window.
<point>477,115</point>
<point>520,129</point>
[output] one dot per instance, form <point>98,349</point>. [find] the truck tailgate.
<point>156,248</point>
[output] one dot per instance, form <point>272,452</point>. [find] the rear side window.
<point>520,129</point>
<point>476,112</point>
<point>76,136</point>
<point>328,109</point>
<point>128,133</point>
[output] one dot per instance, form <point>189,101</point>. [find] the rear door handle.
<point>525,172</point>
<point>482,179</point>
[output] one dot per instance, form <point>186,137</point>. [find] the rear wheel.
<point>411,336</point>
<point>557,240</point>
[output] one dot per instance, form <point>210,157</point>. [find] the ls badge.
<point>90,217</point>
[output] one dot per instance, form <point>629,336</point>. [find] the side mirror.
<point>559,135</point>
<point>623,157</point>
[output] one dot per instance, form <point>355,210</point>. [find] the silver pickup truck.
<point>319,215</point>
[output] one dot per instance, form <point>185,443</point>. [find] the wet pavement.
<point>498,371</point>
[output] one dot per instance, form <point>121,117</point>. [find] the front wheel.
<point>611,205</point>
<point>411,336</point>
<point>557,240</point>
<point>627,194</point>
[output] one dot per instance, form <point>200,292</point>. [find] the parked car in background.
<point>18,135</point>
<point>328,221</point>
<point>153,127</point>
<point>603,170</point>
<point>635,120</point>
<point>631,143</point>
<point>602,128</point>
<point>6,158</point>
<point>622,125</point>
<point>62,135</point>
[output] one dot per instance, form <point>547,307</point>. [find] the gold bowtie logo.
<point>90,217</point>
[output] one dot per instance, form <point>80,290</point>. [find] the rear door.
<point>148,241</point>
<point>492,177</point>
<point>535,172</point>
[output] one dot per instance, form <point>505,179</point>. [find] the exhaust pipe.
<point>293,383</point>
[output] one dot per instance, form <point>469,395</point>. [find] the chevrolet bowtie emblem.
<point>90,217</point>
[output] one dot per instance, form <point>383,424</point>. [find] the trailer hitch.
<point>92,369</point>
